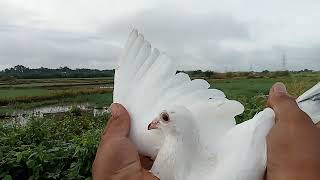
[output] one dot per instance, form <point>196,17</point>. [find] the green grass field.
<point>259,86</point>
<point>26,92</point>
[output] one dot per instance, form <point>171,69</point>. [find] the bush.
<point>279,73</point>
<point>252,105</point>
<point>50,148</point>
<point>229,74</point>
<point>75,111</point>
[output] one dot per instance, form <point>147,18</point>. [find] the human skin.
<point>117,157</point>
<point>293,144</point>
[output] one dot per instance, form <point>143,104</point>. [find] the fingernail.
<point>279,88</point>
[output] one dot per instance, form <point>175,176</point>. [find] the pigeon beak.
<point>154,124</point>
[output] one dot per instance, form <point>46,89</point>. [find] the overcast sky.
<point>209,34</point>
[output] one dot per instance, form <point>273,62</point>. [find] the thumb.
<point>119,124</point>
<point>285,106</point>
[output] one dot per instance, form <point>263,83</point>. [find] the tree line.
<point>22,72</point>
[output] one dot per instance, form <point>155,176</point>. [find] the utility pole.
<point>251,68</point>
<point>284,62</point>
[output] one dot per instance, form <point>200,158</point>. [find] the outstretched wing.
<point>309,102</point>
<point>242,153</point>
<point>146,82</point>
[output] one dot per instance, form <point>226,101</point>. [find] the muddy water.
<point>24,115</point>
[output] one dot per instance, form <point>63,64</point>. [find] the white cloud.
<point>218,35</point>
<point>36,48</point>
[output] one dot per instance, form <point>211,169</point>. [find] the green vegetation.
<point>50,148</point>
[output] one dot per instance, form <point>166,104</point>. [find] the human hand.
<point>293,144</point>
<point>117,157</point>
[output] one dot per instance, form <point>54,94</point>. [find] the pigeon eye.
<point>165,116</point>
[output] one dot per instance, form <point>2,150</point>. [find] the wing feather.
<point>309,102</point>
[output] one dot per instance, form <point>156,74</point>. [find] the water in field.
<point>23,115</point>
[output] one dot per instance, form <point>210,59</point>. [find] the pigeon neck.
<point>165,164</point>
<point>175,157</point>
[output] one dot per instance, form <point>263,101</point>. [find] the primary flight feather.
<point>186,127</point>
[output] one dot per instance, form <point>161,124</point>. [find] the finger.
<point>146,162</point>
<point>284,106</point>
<point>318,125</point>
<point>119,123</point>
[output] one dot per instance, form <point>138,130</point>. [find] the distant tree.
<point>197,72</point>
<point>229,74</point>
<point>208,74</point>
<point>20,71</point>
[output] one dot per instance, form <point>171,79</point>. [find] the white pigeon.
<point>146,82</point>
<point>195,126</point>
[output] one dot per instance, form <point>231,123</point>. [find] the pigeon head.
<point>172,120</point>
